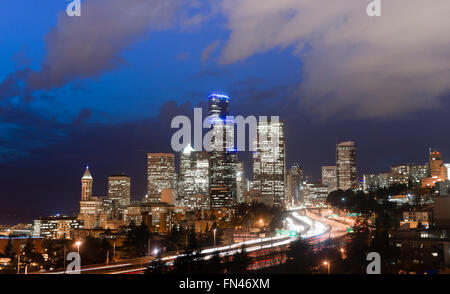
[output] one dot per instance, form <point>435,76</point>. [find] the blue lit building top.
<point>219,104</point>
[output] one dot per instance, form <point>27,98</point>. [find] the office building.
<point>372,182</point>
<point>56,227</point>
<point>160,174</point>
<point>86,185</point>
<point>346,165</point>
<point>329,177</point>
<point>194,179</point>
<point>240,181</point>
<point>294,180</point>
<point>223,157</point>
<point>316,194</point>
<point>119,187</point>
<point>438,171</point>
<point>269,161</point>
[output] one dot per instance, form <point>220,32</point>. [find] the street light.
<point>327,263</point>
<point>215,238</point>
<point>155,252</point>
<point>114,250</point>
<point>78,243</point>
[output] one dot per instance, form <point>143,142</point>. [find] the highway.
<point>311,227</point>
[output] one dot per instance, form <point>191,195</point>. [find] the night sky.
<point>102,88</point>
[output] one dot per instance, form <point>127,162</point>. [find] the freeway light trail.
<point>304,226</point>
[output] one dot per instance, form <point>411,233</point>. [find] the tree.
<point>214,265</point>
<point>155,267</point>
<point>359,245</point>
<point>8,251</point>
<point>136,242</point>
<point>31,256</point>
<point>239,262</point>
<point>55,258</point>
<point>190,262</point>
<point>192,240</point>
<point>299,257</point>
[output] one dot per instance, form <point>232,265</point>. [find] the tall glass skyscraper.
<point>193,184</point>
<point>269,166</point>
<point>223,156</point>
<point>294,181</point>
<point>161,174</point>
<point>346,165</point>
<point>240,181</point>
<point>119,187</point>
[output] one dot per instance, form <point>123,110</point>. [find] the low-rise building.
<point>56,227</point>
<point>158,216</point>
<point>421,250</point>
<point>316,194</point>
<point>417,219</point>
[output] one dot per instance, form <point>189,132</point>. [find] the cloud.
<point>84,115</point>
<point>353,64</point>
<point>87,46</point>
<point>12,85</point>
<point>206,53</point>
<point>183,56</point>
<point>209,73</point>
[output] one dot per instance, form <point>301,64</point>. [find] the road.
<point>311,227</point>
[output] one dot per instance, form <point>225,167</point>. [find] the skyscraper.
<point>269,161</point>
<point>119,187</point>
<point>223,156</point>
<point>329,177</point>
<point>90,206</point>
<point>346,165</point>
<point>438,171</point>
<point>294,180</point>
<point>193,182</point>
<point>437,167</point>
<point>240,181</point>
<point>86,185</point>
<point>161,174</point>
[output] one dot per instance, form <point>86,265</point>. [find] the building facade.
<point>372,182</point>
<point>119,189</point>
<point>86,185</point>
<point>269,167</point>
<point>223,156</point>
<point>193,179</point>
<point>329,177</point>
<point>240,181</point>
<point>294,180</point>
<point>160,174</point>
<point>56,227</point>
<point>438,171</point>
<point>346,165</point>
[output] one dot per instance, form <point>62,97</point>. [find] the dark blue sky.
<point>102,88</point>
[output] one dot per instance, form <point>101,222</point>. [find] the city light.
<point>78,244</point>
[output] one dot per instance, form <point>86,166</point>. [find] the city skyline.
<point>138,197</point>
<point>56,115</point>
<point>167,138</point>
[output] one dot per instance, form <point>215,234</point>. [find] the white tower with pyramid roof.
<point>86,185</point>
